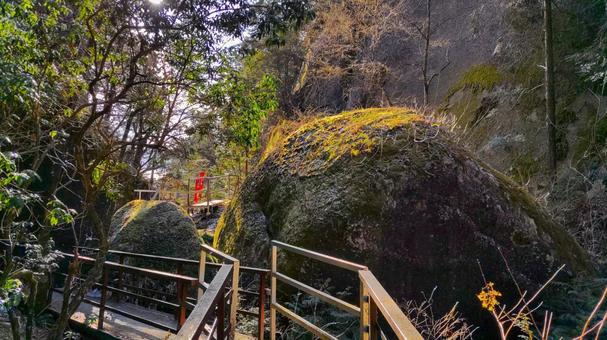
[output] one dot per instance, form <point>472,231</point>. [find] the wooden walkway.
<point>117,325</point>
<point>211,203</point>
<point>217,303</point>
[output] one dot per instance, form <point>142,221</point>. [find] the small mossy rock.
<point>154,227</point>
<point>388,189</point>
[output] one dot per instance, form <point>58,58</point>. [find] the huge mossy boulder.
<point>154,227</point>
<point>389,189</point>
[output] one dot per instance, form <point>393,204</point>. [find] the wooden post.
<point>368,315</point>
<point>364,312</point>
<point>221,304</point>
<point>273,293</point>
<point>201,272</point>
<point>262,306</point>
<point>183,295</point>
<point>374,332</point>
<point>235,299</point>
<point>208,196</point>
<point>119,286</point>
<point>188,193</point>
<point>178,309</point>
<point>103,299</point>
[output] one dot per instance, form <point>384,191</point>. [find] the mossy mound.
<point>156,228</point>
<point>386,188</point>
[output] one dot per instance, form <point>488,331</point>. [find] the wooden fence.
<point>216,190</point>
<point>375,303</point>
<point>184,302</point>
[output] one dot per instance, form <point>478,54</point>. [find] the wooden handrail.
<point>380,301</point>
<point>310,327</point>
<point>195,324</point>
<point>183,283</point>
<point>320,257</point>
<point>234,298</point>
<point>260,272</point>
<point>218,253</point>
<point>176,260</point>
<point>319,294</point>
<point>374,300</point>
<point>142,271</point>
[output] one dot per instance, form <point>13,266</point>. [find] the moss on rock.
<point>389,189</point>
<point>478,78</point>
<point>154,227</point>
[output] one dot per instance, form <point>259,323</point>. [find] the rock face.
<point>154,227</point>
<point>386,188</point>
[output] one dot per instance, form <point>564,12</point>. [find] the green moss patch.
<point>478,78</point>
<point>319,143</point>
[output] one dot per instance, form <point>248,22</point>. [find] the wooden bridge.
<point>217,191</point>
<point>189,299</point>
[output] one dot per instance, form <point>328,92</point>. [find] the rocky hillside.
<point>387,188</point>
<point>485,77</point>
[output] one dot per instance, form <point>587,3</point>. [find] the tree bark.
<point>427,52</point>
<point>15,324</point>
<point>549,86</point>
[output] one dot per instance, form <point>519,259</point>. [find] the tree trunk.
<point>549,85</point>
<point>426,53</point>
<point>72,296</point>
<point>246,163</point>
<point>15,325</point>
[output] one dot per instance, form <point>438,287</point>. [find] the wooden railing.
<point>183,283</point>
<point>182,266</point>
<point>217,303</point>
<point>213,300</point>
<point>375,303</point>
<point>212,303</point>
<point>215,187</point>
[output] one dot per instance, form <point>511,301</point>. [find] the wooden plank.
<point>350,308</point>
<point>119,325</point>
<point>320,257</point>
<point>144,317</point>
<point>207,204</point>
<point>143,297</point>
<point>310,327</point>
<point>395,317</point>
